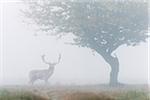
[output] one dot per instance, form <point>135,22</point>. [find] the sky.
<point>21,52</point>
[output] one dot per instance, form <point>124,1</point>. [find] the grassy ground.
<point>72,93</point>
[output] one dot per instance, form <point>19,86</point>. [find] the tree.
<point>101,26</point>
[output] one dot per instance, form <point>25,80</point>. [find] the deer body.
<point>44,74</point>
<point>41,74</point>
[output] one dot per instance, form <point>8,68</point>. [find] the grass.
<point>134,95</point>
<point>87,96</point>
<point>71,94</point>
<point>19,95</point>
<point>130,95</point>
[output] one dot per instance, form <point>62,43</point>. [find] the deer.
<point>44,74</point>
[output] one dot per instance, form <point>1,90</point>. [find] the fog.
<point>21,52</point>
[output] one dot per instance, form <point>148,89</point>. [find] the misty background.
<point>21,51</point>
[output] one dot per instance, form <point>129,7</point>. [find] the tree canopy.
<point>96,25</point>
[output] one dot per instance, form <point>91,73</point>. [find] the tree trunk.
<point>114,64</point>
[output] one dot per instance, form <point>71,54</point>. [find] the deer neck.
<point>51,67</point>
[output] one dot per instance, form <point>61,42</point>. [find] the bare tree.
<point>44,74</point>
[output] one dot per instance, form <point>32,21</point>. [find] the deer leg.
<point>46,81</point>
<point>31,82</point>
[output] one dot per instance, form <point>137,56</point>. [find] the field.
<point>74,93</point>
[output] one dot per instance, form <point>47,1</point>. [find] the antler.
<point>59,58</point>
<point>43,59</point>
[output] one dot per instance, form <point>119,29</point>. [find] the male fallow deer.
<point>44,74</point>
